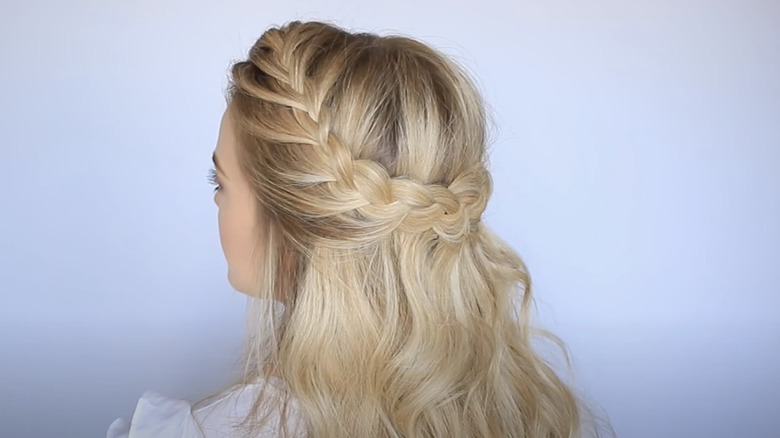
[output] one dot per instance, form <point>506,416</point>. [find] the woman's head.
<point>346,138</point>
<point>362,163</point>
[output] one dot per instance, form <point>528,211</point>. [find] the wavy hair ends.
<point>368,157</point>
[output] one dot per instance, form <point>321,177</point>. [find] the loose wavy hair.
<point>404,315</point>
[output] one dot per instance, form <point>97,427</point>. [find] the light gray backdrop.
<point>636,171</point>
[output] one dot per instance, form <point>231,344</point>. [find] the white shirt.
<point>158,416</point>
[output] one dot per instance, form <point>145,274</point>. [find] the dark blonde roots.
<point>367,155</point>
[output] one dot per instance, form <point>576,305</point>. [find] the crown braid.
<point>360,191</point>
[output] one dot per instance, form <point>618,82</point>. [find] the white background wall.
<point>636,168</point>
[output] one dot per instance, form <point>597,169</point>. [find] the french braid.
<point>360,188</point>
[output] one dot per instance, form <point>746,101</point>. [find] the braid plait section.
<point>344,190</point>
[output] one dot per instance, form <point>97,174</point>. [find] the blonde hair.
<point>367,155</point>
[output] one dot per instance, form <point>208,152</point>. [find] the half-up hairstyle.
<point>367,156</point>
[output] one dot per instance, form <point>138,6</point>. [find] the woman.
<point>351,174</point>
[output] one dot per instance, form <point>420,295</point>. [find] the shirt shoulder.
<point>156,415</point>
<point>159,416</point>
